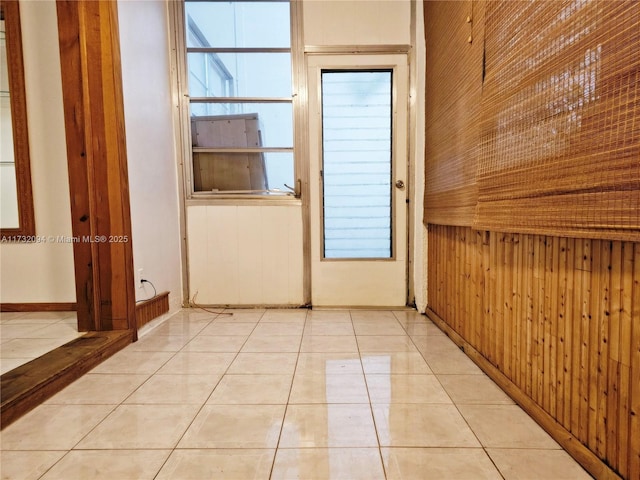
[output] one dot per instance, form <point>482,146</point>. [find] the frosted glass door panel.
<point>356,163</point>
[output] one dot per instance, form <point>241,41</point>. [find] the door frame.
<point>305,173</point>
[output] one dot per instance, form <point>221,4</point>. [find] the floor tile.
<point>287,315</point>
<point>372,315</point>
<point>127,361</point>
<point>505,426</point>
<point>406,388</point>
<point>53,427</point>
<point>181,327</point>
<point>242,315</point>
<point>382,327</point>
<point>473,389</point>
<point>416,425</point>
<point>329,364</point>
<point>30,347</point>
<point>217,343</point>
<point>320,327</point>
<point>252,363</point>
<point>329,316</point>
<point>328,425</point>
<point>237,328</point>
<point>56,330</point>
<point>274,343</point>
<point>141,427</point>
<point>98,388</point>
<point>394,363</point>
<point>275,328</point>
<point>8,364</point>
<point>197,363</point>
<point>159,343</point>
<point>24,465</point>
<point>328,463</point>
<point>175,389</point>
<point>422,328</point>
<point>443,356</point>
<point>385,343</point>
<point>328,343</point>
<point>329,389</point>
<point>530,464</point>
<point>252,389</point>
<point>108,465</point>
<point>438,463</point>
<point>218,464</point>
<point>18,330</point>
<point>235,426</point>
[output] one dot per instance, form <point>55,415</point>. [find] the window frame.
<point>180,31</point>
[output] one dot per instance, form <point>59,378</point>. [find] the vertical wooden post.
<point>97,162</point>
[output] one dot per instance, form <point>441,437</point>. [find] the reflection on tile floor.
<point>25,336</point>
<point>281,394</point>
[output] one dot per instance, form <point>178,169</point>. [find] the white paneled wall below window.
<point>245,255</point>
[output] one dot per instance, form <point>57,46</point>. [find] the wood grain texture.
<point>97,164</point>
<point>149,309</point>
<point>28,385</point>
<point>559,318</point>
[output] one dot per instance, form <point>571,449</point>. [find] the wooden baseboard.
<point>585,457</point>
<point>152,308</point>
<point>28,385</point>
<point>38,307</point>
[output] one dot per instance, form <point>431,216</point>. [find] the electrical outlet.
<point>139,277</point>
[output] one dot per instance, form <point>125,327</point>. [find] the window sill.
<point>243,200</point>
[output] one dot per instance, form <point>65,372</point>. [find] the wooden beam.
<point>28,385</point>
<point>97,163</point>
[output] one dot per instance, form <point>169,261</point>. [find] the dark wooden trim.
<point>15,64</point>
<point>28,385</point>
<point>570,443</point>
<point>97,164</point>
<point>38,307</point>
<point>149,309</point>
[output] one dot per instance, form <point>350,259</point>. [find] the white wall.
<point>356,22</point>
<point>252,255</point>
<point>419,240</point>
<point>151,149</point>
<point>42,272</point>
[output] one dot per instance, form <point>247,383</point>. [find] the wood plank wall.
<point>559,317</point>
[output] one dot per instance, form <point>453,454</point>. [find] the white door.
<point>358,144</point>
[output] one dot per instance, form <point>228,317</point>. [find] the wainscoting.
<point>559,319</point>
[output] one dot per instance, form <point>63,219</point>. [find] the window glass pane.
<point>356,129</point>
<point>242,125</point>
<point>238,24</point>
<point>239,74</point>
<point>261,173</point>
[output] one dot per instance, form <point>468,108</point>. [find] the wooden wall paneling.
<point>569,342</point>
<point>561,330</point>
<point>611,363</point>
<point>634,378</point>
<point>558,317</point>
<point>583,421</point>
<point>596,388</point>
<point>626,319</point>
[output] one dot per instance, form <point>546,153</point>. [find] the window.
<point>240,90</point>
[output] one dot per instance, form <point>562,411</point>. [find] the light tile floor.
<point>28,335</point>
<point>284,394</point>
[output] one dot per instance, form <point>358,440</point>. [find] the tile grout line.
<point>286,407</point>
<point>373,417</point>
<point>175,447</point>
